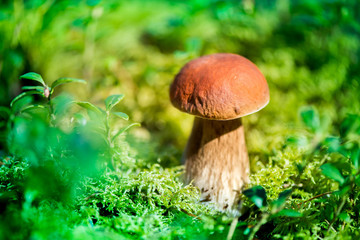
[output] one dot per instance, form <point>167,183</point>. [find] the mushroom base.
<point>217,162</point>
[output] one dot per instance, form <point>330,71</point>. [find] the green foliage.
<point>324,192</point>
<point>111,101</point>
<point>61,81</point>
<point>89,107</point>
<point>332,172</point>
<point>33,76</point>
<point>66,168</point>
<point>311,119</point>
<point>257,195</point>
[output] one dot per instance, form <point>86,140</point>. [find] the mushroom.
<point>219,89</point>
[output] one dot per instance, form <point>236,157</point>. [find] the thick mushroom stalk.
<point>217,161</point>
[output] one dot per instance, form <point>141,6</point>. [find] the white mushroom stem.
<point>217,161</point>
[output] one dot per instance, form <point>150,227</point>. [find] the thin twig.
<point>190,214</point>
<point>317,196</point>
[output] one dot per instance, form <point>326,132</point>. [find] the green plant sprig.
<point>106,115</point>
<point>44,90</point>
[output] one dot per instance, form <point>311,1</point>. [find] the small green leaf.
<point>288,213</point>
<point>311,118</point>
<point>355,157</point>
<point>60,81</point>
<point>285,194</point>
<point>247,231</point>
<point>257,195</point>
<point>332,172</point>
<point>89,106</point>
<point>30,107</point>
<point>122,130</point>
<point>333,144</point>
<point>21,103</point>
<point>36,88</point>
<point>21,95</point>
<point>345,217</point>
<point>121,115</point>
<point>33,76</point>
<point>280,201</point>
<point>112,100</point>
<point>300,141</point>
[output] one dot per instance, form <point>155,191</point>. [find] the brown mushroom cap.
<point>220,86</point>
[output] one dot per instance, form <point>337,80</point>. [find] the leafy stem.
<point>107,129</point>
<point>109,139</point>
<point>44,90</point>
<point>106,115</point>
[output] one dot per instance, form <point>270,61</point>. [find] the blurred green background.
<point>308,50</point>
